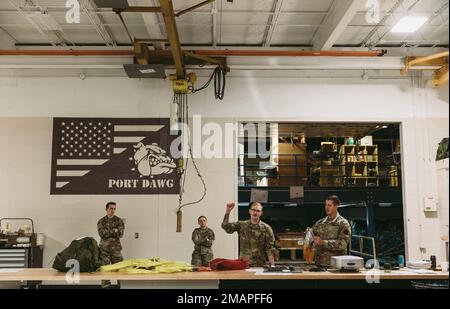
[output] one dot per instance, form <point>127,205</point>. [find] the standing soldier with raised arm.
<point>256,238</point>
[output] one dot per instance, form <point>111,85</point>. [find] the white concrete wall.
<point>27,105</point>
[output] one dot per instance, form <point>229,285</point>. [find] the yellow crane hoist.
<point>183,86</point>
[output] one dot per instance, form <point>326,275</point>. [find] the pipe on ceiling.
<point>250,53</point>
<point>290,53</point>
<point>66,53</point>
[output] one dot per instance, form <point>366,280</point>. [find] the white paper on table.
<point>254,269</point>
<point>419,271</point>
<point>296,192</point>
<point>260,196</point>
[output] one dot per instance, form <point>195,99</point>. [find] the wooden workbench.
<point>48,274</point>
<point>209,279</point>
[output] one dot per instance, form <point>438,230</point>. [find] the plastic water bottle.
<point>401,261</point>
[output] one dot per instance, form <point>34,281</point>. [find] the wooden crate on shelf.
<point>292,170</point>
<point>290,241</point>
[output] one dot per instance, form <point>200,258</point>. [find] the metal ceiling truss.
<point>366,40</point>
<point>50,35</point>
<point>319,42</point>
<point>408,10</point>
<point>97,21</point>
<point>437,13</point>
<point>194,7</point>
<point>276,10</point>
<point>334,24</point>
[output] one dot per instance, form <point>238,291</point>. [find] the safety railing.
<point>361,247</point>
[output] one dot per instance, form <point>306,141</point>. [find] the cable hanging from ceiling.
<point>180,99</point>
<point>219,76</point>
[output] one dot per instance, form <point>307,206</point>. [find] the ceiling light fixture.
<point>409,24</point>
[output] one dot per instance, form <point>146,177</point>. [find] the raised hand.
<point>230,207</point>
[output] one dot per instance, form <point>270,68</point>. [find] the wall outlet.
<point>429,204</point>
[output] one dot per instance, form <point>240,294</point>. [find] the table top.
<point>48,274</point>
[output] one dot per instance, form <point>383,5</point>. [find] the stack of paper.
<point>420,271</point>
<point>418,264</point>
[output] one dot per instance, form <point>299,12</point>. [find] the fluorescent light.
<point>409,24</point>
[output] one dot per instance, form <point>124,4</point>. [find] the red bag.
<point>213,263</point>
<point>227,264</point>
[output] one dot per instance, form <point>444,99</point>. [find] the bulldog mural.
<point>152,160</point>
<point>120,156</point>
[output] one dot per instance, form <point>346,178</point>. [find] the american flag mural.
<point>113,156</point>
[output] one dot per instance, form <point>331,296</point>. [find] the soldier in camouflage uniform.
<point>331,234</point>
<point>256,238</point>
<point>203,238</point>
<point>110,228</point>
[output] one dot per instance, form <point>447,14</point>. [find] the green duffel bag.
<point>84,250</point>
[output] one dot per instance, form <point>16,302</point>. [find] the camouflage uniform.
<point>256,241</point>
<point>110,231</point>
<point>335,234</point>
<point>203,240</point>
